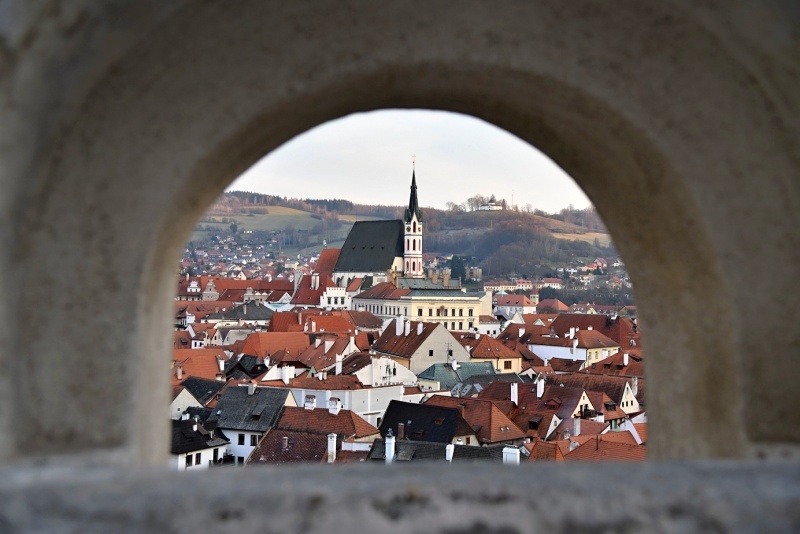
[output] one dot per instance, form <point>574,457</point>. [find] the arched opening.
<point>243,208</point>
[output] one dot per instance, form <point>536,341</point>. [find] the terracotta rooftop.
<point>264,344</point>
<point>403,345</point>
<point>488,421</point>
<point>600,449</point>
<point>346,423</point>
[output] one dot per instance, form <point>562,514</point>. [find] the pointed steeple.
<point>413,204</point>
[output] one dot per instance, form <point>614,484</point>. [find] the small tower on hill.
<point>412,250</point>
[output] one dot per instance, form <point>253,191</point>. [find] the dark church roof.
<point>371,247</point>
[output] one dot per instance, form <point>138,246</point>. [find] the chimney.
<point>251,388</point>
<point>449,449</point>
<point>625,359</point>
<point>540,388</point>
<point>221,363</point>
<point>419,328</point>
<point>446,277</point>
<point>331,448</point>
<point>435,277</point>
<point>313,326</point>
<point>401,431</point>
<point>398,327</point>
<point>515,393</point>
<point>571,332</point>
<point>179,371</point>
<point>286,374</point>
<point>407,328</point>
<point>244,309</point>
<point>575,344</point>
<point>454,364</point>
<point>285,443</point>
<point>315,281</point>
<point>389,447</point>
<point>310,402</point>
<point>477,335</point>
<point>635,385</point>
<point>590,327</point>
<point>576,426</point>
<point>510,455</point>
<point>339,360</point>
<point>334,405</point>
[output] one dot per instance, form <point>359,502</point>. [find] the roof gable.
<point>371,246</point>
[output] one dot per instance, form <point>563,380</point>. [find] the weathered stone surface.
<point>698,497</point>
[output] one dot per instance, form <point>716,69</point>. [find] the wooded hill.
<point>502,242</point>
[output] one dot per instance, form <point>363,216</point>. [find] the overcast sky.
<point>366,158</point>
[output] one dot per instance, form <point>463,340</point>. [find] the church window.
<point>414,244</point>
<point>415,226</point>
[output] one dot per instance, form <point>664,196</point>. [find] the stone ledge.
<point>652,497</point>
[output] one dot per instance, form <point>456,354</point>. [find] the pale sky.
<point>366,158</point>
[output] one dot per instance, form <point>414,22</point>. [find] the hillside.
<point>501,242</point>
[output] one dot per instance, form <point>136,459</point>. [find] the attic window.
<point>439,420</point>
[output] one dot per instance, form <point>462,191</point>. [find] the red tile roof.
<point>488,421</point>
<point>601,449</point>
<point>327,260</point>
<point>513,300</point>
<point>384,290</point>
<point>201,363</point>
<point>264,344</point>
<point>331,382</point>
<point>284,322</point>
<point>544,451</point>
<point>323,355</point>
<point>306,295</point>
<point>486,347</point>
<point>402,345</point>
<point>346,423</point>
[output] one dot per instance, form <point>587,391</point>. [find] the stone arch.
<point>142,137</point>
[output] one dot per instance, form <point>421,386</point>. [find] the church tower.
<point>412,251</point>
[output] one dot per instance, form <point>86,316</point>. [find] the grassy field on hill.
<point>503,241</point>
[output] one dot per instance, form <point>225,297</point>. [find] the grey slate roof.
<point>249,311</point>
<point>371,246</point>
<point>427,283</point>
<point>258,412</point>
<point>447,377</point>
<point>406,451</point>
<point>203,389</point>
<point>184,439</point>
<point>475,384</point>
<point>424,422</point>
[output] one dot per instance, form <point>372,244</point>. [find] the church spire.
<point>413,204</point>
